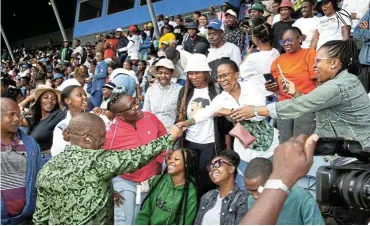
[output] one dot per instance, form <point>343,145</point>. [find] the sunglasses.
<point>217,164</point>
<point>287,41</point>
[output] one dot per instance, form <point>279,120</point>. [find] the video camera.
<point>344,187</point>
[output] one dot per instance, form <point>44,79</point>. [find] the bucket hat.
<point>167,64</point>
<point>197,62</point>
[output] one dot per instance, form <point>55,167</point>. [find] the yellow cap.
<point>150,25</point>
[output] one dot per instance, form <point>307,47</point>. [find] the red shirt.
<point>122,135</point>
<point>111,52</point>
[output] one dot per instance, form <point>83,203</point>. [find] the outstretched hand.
<point>243,113</point>
<point>298,152</point>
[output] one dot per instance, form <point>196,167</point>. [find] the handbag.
<point>243,135</point>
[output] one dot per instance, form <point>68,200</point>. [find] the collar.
<point>167,87</point>
<point>231,193</point>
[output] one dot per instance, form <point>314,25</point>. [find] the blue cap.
<point>109,85</point>
<point>57,76</point>
<point>215,24</point>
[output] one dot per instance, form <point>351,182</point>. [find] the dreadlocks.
<point>191,167</point>
<point>187,89</point>
<point>346,51</point>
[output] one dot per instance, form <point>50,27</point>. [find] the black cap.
<point>201,47</point>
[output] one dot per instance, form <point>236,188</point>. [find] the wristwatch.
<point>274,184</point>
<point>255,111</point>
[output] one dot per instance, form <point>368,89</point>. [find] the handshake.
<point>176,131</point>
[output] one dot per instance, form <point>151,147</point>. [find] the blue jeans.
<point>45,158</point>
<point>126,214</point>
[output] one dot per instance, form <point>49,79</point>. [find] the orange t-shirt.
<point>298,68</point>
<point>111,52</point>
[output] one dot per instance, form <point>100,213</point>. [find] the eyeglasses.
<point>217,164</point>
<point>223,76</point>
<point>317,60</point>
<point>133,107</point>
<point>287,41</point>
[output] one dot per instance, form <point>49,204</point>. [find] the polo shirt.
<point>121,135</point>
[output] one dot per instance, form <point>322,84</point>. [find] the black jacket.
<point>189,44</point>
<point>123,41</point>
<point>221,125</point>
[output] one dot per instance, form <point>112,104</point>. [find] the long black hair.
<point>191,167</point>
<point>37,113</point>
<point>66,92</point>
<point>347,53</point>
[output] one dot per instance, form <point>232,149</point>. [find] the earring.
<point>88,140</point>
<point>332,67</point>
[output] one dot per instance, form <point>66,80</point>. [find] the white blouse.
<point>250,95</point>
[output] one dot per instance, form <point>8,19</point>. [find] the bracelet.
<point>255,110</point>
<point>191,122</point>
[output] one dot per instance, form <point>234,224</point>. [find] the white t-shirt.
<point>257,64</point>
<point>331,29</point>
<point>308,27</point>
<point>213,216</point>
<point>356,6</point>
<point>202,133</point>
<point>276,19</point>
<point>227,50</point>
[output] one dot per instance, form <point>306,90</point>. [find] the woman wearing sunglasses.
<point>228,204</point>
<point>302,73</point>
<point>174,196</point>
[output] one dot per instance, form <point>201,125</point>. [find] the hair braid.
<point>182,111</point>
<point>346,51</point>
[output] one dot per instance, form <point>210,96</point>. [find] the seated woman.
<point>46,113</point>
<point>228,204</point>
<point>173,196</point>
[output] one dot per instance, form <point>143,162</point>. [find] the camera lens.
<point>354,188</point>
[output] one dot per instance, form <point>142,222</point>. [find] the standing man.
<point>192,39</point>
<point>233,34</point>
<point>300,202</point>
<point>131,129</point>
<point>20,163</point>
<point>78,51</point>
<point>307,24</point>
<point>285,9</point>
<point>122,42</point>
<point>99,47</point>
<point>244,9</point>
<point>110,46</point>
<point>97,81</point>
<point>219,47</point>
<point>66,52</point>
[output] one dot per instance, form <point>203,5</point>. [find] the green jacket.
<point>160,208</point>
<point>75,187</point>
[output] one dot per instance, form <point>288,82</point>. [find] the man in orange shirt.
<point>110,46</point>
<point>297,67</point>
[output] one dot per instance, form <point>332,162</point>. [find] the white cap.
<point>119,29</point>
<point>231,12</point>
<point>197,62</point>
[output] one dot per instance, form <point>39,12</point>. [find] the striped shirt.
<point>13,176</point>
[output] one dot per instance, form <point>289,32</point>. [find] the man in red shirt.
<point>130,129</point>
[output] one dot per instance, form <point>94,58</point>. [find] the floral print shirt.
<point>75,187</point>
<point>234,35</point>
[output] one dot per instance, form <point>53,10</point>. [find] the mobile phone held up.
<point>269,78</point>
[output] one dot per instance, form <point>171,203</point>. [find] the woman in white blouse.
<point>259,63</point>
<point>161,98</point>
<point>334,25</point>
<point>203,23</point>
<point>234,96</point>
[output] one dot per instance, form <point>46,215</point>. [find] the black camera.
<point>345,184</point>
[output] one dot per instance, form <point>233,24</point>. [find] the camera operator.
<point>340,102</point>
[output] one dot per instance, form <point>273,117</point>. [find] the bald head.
<point>85,123</point>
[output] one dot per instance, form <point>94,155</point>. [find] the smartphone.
<point>269,77</point>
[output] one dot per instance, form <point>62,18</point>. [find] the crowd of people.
<point>198,125</point>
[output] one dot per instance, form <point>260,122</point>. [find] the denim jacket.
<point>342,108</point>
<point>33,167</point>
<point>364,35</point>
<point>233,209</point>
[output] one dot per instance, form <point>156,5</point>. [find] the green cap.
<point>257,6</point>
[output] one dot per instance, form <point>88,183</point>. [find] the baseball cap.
<point>150,25</point>
<point>215,24</point>
<point>258,7</point>
<point>57,76</point>
<point>230,12</point>
<point>132,28</point>
<point>110,85</point>
<point>119,29</point>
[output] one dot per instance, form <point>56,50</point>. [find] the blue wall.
<point>138,15</point>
